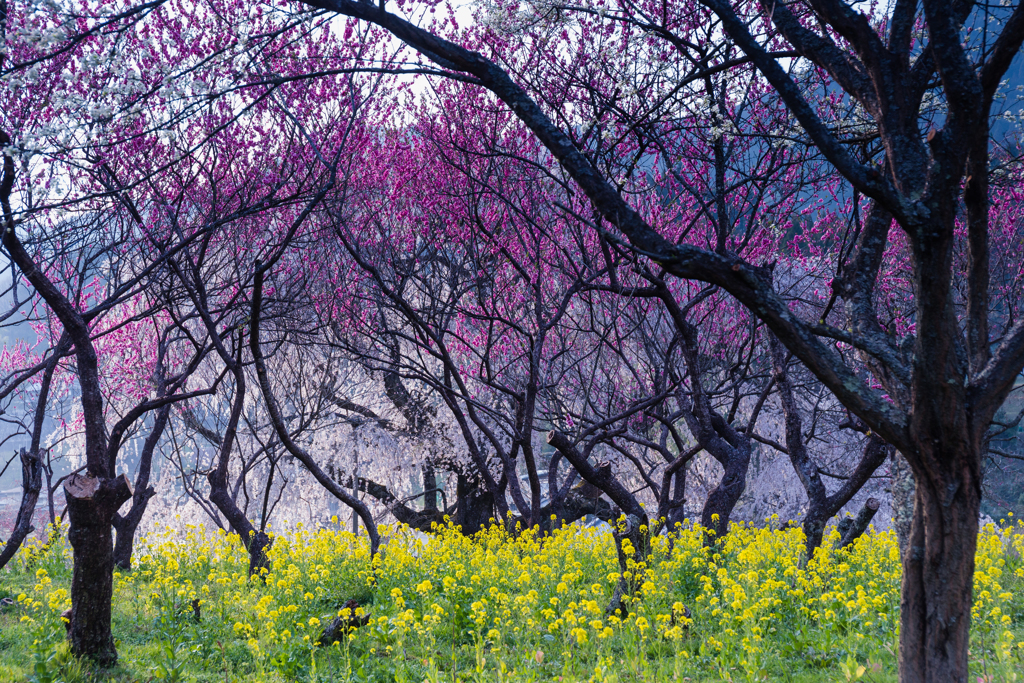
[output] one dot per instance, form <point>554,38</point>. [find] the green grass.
<point>497,608</point>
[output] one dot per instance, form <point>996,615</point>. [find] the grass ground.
<point>498,608</point>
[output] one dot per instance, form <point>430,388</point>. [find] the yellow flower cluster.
<point>537,606</point>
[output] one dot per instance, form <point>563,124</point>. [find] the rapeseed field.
<point>503,607</point>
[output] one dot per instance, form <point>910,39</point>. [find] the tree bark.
<point>429,486</point>
<point>938,567</point>
<point>31,483</point>
<point>902,485</point>
<point>676,510</point>
<point>475,506</point>
<point>92,498</point>
<point>126,527</point>
<point>859,524</point>
<point>415,519</point>
<point>632,546</point>
<point>92,502</point>
<point>32,463</point>
<point>723,498</point>
<point>256,542</point>
<point>358,507</point>
<point>129,523</point>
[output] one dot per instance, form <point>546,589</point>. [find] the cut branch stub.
<point>109,494</point>
<point>859,524</point>
<point>81,487</point>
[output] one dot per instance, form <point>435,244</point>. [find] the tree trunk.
<point>632,546</point>
<point>902,485</point>
<point>429,486</point>
<point>723,498</point>
<point>31,482</point>
<point>475,506</point>
<point>126,527</point>
<point>814,529</point>
<point>92,502</point>
<point>855,528</point>
<point>938,567</point>
<point>676,511</point>
<point>256,542</point>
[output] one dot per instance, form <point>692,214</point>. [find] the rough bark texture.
<point>129,523</point>
<point>851,529</point>
<point>938,568</point>
<point>92,502</point>
<point>256,542</point>
<point>126,527</point>
<point>632,546</point>
<point>31,484</point>
<point>600,477</point>
<point>675,513</point>
<point>723,498</point>
<point>429,488</point>
<point>92,498</point>
<point>475,507</point>
<point>902,484</point>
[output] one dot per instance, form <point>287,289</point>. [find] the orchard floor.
<point>495,608</point>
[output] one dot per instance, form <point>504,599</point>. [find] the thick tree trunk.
<point>902,484</point>
<point>723,498</point>
<point>475,506</point>
<point>92,502</point>
<point>31,482</point>
<point>938,568</point>
<point>814,530</point>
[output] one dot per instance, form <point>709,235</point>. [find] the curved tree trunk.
<point>821,505</point>
<point>126,527</point>
<point>31,483</point>
<point>129,523</point>
<point>421,520</point>
<point>32,463</point>
<point>723,498</point>
<point>630,522</point>
<point>256,542</point>
<point>92,498</point>
<point>350,499</point>
<point>850,529</point>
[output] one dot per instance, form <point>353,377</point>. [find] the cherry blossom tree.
<point>662,132</point>
<point>926,176</point>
